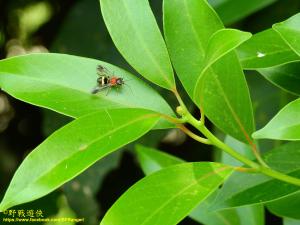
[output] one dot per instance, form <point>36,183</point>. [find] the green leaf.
<point>72,149</point>
<point>284,126</point>
<point>135,33</point>
<point>246,215</point>
<point>168,195</point>
<point>286,76</point>
<point>152,160</point>
<point>240,147</point>
<point>63,83</point>
<point>289,31</point>
<point>221,43</point>
<point>229,110</point>
<point>265,49</point>
<point>232,11</point>
<point>251,214</point>
<point>272,47</point>
<point>286,207</point>
<point>188,26</point>
<point>246,189</point>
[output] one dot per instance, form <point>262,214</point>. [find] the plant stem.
<point>280,176</point>
<point>194,136</point>
<point>186,116</point>
<point>218,143</point>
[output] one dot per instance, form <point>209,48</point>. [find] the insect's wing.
<point>98,89</point>
<point>102,71</point>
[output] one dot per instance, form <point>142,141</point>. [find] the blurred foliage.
<point>76,27</point>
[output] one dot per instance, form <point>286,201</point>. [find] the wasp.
<point>106,80</point>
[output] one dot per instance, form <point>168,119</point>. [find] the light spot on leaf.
<point>83,147</point>
<point>260,54</point>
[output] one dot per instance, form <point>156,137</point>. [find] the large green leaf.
<point>284,126</point>
<point>286,76</point>
<point>188,26</point>
<point>289,31</point>
<point>286,207</point>
<point>152,160</point>
<point>63,83</point>
<point>209,70</point>
<point>72,149</point>
<point>135,33</point>
<point>272,47</point>
<point>168,195</point>
<point>246,189</point>
<point>233,10</point>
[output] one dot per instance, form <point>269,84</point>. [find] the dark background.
<point>76,27</point>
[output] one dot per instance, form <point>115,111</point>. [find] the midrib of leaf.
<point>75,153</point>
<point>236,118</point>
<point>194,31</point>
<point>198,41</point>
<point>144,46</point>
<point>267,54</point>
<point>196,182</point>
<point>209,64</point>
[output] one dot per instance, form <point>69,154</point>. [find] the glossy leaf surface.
<point>63,83</point>
<point>289,31</point>
<point>286,76</point>
<point>286,207</point>
<point>220,89</point>
<point>135,33</point>
<point>232,11</point>
<point>168,195</point>
<point>246,189</point>
<point>72,149</point>
<point>152,160</point>
<point>284,126</point>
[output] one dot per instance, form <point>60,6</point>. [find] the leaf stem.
<point>212,139</point>
<point>194,136</point>
<point>280,176</point>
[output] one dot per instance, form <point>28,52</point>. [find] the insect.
<point>106,80</point>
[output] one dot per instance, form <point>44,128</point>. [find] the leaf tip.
<point>256,135</point>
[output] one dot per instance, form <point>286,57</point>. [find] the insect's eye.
<point>120,81</point>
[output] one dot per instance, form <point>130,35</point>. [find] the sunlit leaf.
<point>135,33</point>
<point>168,195</point>
<point>72,149</point>
<point>246,189</point>
<point>206,65</point>
<point>284,126</point>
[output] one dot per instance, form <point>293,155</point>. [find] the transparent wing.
<point>98,89</point>
<point>102,71</point>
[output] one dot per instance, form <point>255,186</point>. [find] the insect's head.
<point>120,81</point>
